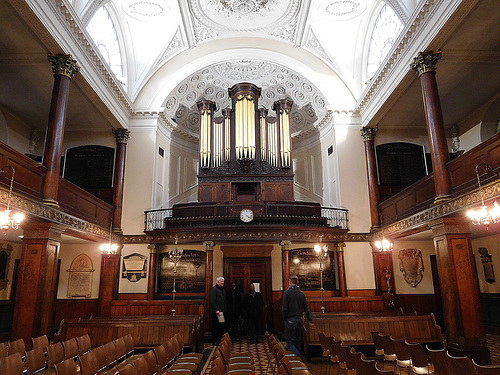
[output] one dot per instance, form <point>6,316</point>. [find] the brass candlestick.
<point>175,255</point>
<point>321,253</point>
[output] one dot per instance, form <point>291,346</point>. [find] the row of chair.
<point>227,361</point>
<point>444,363</point>
<point>282,361</point>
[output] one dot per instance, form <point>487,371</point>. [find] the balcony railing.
<point>273,214</point>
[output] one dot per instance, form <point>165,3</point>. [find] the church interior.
<point>150,147</point>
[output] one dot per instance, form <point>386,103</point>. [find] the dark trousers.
<point>253,328</point>
<point>233,329</point>
<point>293,334</point>
<point>218,329</point>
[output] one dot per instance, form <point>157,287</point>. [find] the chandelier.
<point>6,220</point>
<point>484,216</point>
<point>109,248</point>
<point>383,245</point>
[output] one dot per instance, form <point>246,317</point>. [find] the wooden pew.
<point>147,332</point>
<point>356,329</point>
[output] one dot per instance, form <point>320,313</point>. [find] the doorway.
<point>244,271</point>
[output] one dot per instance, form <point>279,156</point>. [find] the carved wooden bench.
<point>356,330</point>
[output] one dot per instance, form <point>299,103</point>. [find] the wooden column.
<point>108,286</point>
<point>382,263</point>
<point>64,68</point>
<point>153,259</point>
<point>37,283</point>
<point>368,135</point>
<point>341,269</point>
<point>285,257</point>
<point>425,66</point>
<point>209,278</point>
<point>121,137</point>
<point>458,281</point>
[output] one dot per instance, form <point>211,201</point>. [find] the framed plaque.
<point>190,276</point>
<point>80,277</point>
<point>305,264</point>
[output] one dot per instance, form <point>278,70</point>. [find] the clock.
<point>246,215</point>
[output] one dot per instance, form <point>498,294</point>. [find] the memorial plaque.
<point>305,265</point>
<point>90,167</point>
<point>400,163</point>
<point>190,276</point>
<point>80,277</point>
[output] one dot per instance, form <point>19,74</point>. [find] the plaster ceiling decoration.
<point>315,46</point>
<point>176,44</point>
<point>277,82</point>
<point>244,16</point>
<point>145,10</point>
<point>343,10</point>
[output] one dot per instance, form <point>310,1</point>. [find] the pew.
<point>147,332</point>
<point>356,329</point>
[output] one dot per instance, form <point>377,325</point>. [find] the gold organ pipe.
<point>205,139</point>
<point>227,132</point>
<point>263,135</point>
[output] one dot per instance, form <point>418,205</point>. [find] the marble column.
<point>341,269</point>
<point>36,294</point>
<point>64,68</point>
<point>460,287</point>
<point>121,137</point>
<point>285,258</point>
<point>368,135</point>
<point>425,66</point>
<point>153,259</point>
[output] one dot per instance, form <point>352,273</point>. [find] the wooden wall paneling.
<point>423,304</point>
<point>68,309</point>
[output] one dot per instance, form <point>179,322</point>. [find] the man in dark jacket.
<point>218,308</point>
<point>234,304</point>
<point>253,304</point>
<point>294,305</point>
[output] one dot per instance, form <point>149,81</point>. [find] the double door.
<point>244,271</point>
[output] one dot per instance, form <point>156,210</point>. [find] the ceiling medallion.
<point>244,70</point>
<point>246,8</point>
<point>345,9</point>
<point>145,10</point>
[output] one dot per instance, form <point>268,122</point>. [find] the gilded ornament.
<point>425,62</point>
<point>368,134</point>
<point>121,135</point>
<point>64,64</point>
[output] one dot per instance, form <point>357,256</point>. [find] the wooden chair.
<point>129,344</point>
<point>379,345</point>
<point>419,362</point>
<point>70,348</point>
<point>17,347</point>
<point>141,366</point>
<point>440,361</point>
<point>389,351</point>
<point>403,359</point>
<point>121,349</point>
<point>180,347</point>
<point>151,361</point>
<point>12,364</point>
<point>461,365</point>
<point>55,354</point>
<point>4,349</point>
<point>369,367</point>
<point>111,357</point>
<point>161,357</point>
<point>67,367</point>
<point>126,369</point>
<point>84,344</point>
<point>100,356</point>
<point>88,364</point>
<point>35,361</point>
<point>40,342</point>
<point>354,362</point>
<point>486,369</point>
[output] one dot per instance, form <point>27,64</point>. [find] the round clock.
<point>246,215</point>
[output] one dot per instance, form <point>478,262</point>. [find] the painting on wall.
<point>190,275</point>
<point>134,267</point>
<point>305,265</point>
<point>489,272</point>
<point>411,265</point>
<point>80,277</point>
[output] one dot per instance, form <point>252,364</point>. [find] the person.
<point>234,303</point>
<point>253,305</point>
<point>294,305</point>
<point>218,308</point>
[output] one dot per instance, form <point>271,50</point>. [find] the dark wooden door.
<point>244,271</point>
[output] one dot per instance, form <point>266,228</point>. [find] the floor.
<point>317,365</point>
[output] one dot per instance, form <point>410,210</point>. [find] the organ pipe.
<point>263,134</point>
<point>206,109</point>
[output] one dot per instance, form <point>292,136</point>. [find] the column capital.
<point>285,245</point>
<point>340,247</point>
<point>425,62</point>
<point>121,135</point>
<point>64,64</point>
<point>152,248</point>
<point>209,245</point>
<point>368,133</point>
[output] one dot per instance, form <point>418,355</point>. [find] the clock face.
<point>246,215</point>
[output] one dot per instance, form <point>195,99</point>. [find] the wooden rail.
<point>356,329</point>
<point>348,304</point>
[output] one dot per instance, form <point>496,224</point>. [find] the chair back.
<point>388,345</point>
<point>439,359</point>
<point>180,342</point>
<point>324,345</point>
<point>100,356</point>
<point>17,347</point>
<point>461,365</point>
<point>4,349</point>
<point>67,367</point>
<point>417,355</point>
<point>377,341</point>
<point>354,360</point>
<point>151,361</point>
<point>161,357</point>
<point>36,360</point>
<point>12,364</point>
<point>129,344</point>
<point>40,342</point>
<point>141,366</point>
<point>88,364</point>
<point>121,348</point>
<point>84,344</point>
<point>128,369</point>
<point>110,349</point>
<point>400,349</point>
<point>55,354</point>
<point>486,370</point>
<point>70,348</point>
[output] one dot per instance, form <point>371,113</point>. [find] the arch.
<point>163,81</point>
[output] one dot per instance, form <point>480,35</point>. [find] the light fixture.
<point>484,216</point>
<point>6,220</point>
<point>321,252</point>
<point>383,245</point>
<point>175,255</point>
<point>109,248</point>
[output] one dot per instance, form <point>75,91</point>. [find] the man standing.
<point>253,305</point>
<point>294,305</point>
<point>234,302</point>
<point>218,308</point>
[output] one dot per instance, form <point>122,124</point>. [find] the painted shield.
<point>411,265</point>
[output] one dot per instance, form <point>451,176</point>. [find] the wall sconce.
<point>109,248</point>
<point>321,252</point>
<point>484,216</point>
<point>175,255</point>
<point>383,245</point>
<point>6,220</point>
